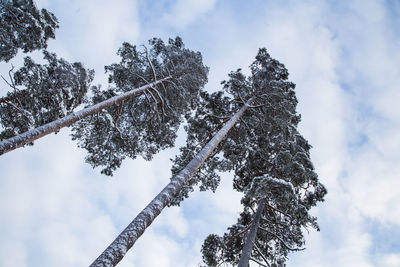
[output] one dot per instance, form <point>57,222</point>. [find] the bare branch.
<point>241,98</point>
<point>161,99</point>
<point>258,106</point>
<point>151,64</point>
<point>140,76</point>
<point>237,235</point>
<point>152,96</point>
<point>147,97</point>
<point>247,126</point>
<point>119,113</point>
<point>9,84</point>
<point>284,213</point>
<point>173,83</point>
<point>280,239</point>
<point>25,113</point>
<point>11,78</point>
<point>262,255</point>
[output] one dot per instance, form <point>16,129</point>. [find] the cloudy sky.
<point>344,56</point>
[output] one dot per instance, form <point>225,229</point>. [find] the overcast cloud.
<point>344,58</point>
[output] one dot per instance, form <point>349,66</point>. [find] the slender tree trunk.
<point>29,136</point>
<point>248,246</point>
<point>118,248</point>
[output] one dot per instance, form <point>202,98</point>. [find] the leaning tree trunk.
<point>29,136</point>
<point>118,248</point>
<point>248,246</point>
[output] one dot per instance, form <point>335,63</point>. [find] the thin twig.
<point>119,113</point>
<point>24,112</point>
<point>262,255</point>
<point>238,234</point>
<point>151,64</point>
<point>161,99</point>
<point>280,211</point>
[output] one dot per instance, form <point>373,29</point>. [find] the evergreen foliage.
<point>23,26</point>
<point>42,93</point>
<point>268,156</point>
<point>148,123</point>
<point>272,113</point>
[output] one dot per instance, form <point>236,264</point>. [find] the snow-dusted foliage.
<point>40,94</point>
<point>256,116</point>
<point>271,114</point>
<point>148,123</point>
<point>289,193</point>
<point>23,26</point>
<point>269,158</point>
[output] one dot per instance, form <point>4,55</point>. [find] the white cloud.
<point>185,12</point>
<point>389,260</point>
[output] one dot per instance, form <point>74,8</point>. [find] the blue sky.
<point>344,58</point>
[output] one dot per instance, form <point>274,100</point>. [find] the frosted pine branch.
<point>29,136</point>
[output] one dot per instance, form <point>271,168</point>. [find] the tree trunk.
<point>29,136</point>
<point>248,246</point>
<point>118,248</point>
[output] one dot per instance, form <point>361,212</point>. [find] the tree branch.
<point>238,234</point>
<point>280,239</point>
<point>151,64</point>
<point>119,113</point>
<point>24,112</point>
<point>262,255</point>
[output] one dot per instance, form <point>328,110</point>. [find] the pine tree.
<point>289,187</point>
<point>273,169</point>
<point>266,96</point>
<point>39,93</point>
<point>23,26</point>
<point>148,123</point>
<point>42,93</point>
<point>272,114</point>
<point>165,79</point>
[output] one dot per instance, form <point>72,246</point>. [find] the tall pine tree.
<point>222,123</point>
<point>285,181</point>
<point>165,78</point>
<point>270,160</point>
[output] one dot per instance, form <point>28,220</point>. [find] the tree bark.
<point>29,136</point>
<point>248,246</point>
<point>118,248</point>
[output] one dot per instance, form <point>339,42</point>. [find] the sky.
<point>344,57</point>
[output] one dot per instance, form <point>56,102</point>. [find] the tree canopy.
<point>42,93</point>
<point>148,123</point>
<point>23,26</point>
<point>268,156</point>
<point>272,113</point>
